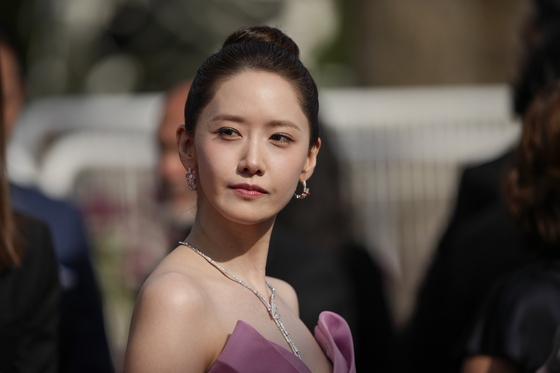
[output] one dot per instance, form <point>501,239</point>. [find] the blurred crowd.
<point>489,302</point>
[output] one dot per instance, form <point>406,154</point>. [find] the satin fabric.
<point>248,351</point>
<point>521,316</point>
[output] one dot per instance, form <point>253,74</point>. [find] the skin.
<point>253,132</point>
<point>12,88</point>
<point>487,364</point>
<point>180,201</point>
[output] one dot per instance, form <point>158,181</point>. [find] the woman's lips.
<point>249,191</point>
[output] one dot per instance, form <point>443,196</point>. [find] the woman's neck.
<point>242,249</point>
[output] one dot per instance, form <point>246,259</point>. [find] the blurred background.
<point>108,46</point>
<point>410,92</point>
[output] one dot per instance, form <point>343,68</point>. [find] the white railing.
<point>402,150</point>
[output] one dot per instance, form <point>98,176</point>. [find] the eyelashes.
<point>281,139</point>
<point>228,133</point>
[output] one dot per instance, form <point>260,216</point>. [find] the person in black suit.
<point>479,245</point>
<point>29,303</point>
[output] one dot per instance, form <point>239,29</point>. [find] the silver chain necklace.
<point>270,306</point>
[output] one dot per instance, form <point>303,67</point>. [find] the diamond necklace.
<point>270,306</point>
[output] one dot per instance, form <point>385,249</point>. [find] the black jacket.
<point>29,304</point>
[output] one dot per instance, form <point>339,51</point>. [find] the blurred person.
<point>516,328</point>
<point>179,204</point>
<point>83,344</point>
<point>479,245</point>
<point>250,135</point>
<point>29,286</point>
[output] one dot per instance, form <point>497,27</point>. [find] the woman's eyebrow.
<point>238,119</point>
<point>283,123</point>
<point>227,117</point>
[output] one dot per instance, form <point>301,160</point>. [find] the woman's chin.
<point>250,219</point>
<point>245,212</point>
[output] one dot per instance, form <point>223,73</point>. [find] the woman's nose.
<point>252,161</point>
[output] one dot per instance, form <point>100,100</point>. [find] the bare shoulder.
<point>168,315</point>
<point>171,291</point>
<point>286,292</point>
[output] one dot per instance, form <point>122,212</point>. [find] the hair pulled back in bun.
<point>264,34</point>
<point>532,186</point>
<point>259,48</point>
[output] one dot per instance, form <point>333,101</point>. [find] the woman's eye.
<point>228,132</point>
<point>281,139</point>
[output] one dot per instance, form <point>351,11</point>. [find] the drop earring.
<point>303,194</point>
<point>191,180</point>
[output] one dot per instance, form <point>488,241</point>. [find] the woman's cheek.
<point>288,177</point>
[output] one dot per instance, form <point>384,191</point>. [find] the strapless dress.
<point>247,351</point>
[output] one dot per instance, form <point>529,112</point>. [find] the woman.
<point>250,135</point>
<point>516,329</point>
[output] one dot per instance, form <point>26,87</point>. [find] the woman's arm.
<point>167,332</point>
<point>487,364</point>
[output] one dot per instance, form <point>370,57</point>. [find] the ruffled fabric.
<point>248,351</point>
<point>333,335</point>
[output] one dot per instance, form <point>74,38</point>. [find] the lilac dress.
<point>248,351</point>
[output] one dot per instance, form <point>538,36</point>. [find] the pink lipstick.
<point>249,191</point>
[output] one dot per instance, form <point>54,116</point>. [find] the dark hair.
<point>532,186</point>
<point>259,48</point>
<point>541,69</point>
<point>547,12</point>
<point>10,250</point>
<point>10,40</point>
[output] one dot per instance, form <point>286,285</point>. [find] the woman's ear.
<point>310,162</point>
<point>185,144</point>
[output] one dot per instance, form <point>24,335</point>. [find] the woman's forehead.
<point>256,94</point>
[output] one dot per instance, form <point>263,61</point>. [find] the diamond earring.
<point>191,180</point>
<point>303,194</point>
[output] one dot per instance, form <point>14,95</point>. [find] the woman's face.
<point>250,148</point>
